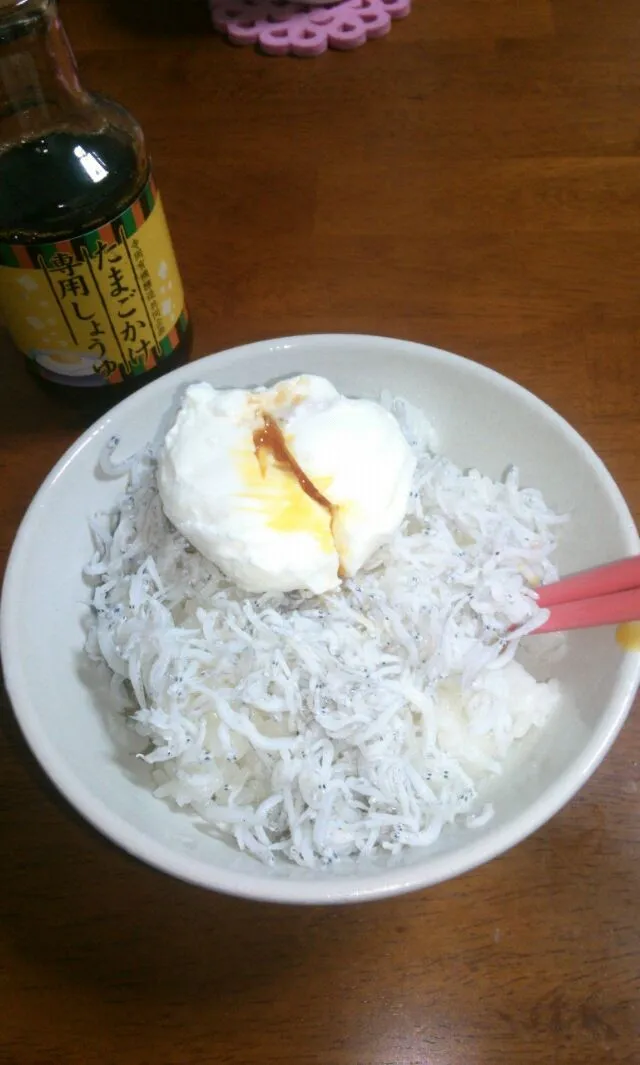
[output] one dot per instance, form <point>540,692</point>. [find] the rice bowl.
<point>481,420</point>
<point>351,723</point>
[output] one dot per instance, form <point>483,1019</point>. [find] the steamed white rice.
<point>357,722</point>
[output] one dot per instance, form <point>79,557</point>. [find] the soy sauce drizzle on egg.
<point>270,438</point>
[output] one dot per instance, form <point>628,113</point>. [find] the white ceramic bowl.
<point>482,419</point>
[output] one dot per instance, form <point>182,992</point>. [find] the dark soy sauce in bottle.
<point>89,286</point>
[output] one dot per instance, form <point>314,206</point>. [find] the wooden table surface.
<point>471,181</point>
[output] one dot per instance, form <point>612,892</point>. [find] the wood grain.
<point>470,181</point>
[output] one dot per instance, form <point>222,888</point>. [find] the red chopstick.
<point>606,595</point>
<point>590,613</point>
<point>603,580</point>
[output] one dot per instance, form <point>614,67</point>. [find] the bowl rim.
<point>264,886</point>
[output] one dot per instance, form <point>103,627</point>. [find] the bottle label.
<point>101,307</point>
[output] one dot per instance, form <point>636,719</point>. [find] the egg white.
<point>250,514</point>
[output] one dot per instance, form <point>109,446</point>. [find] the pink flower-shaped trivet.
<point>282,27</point>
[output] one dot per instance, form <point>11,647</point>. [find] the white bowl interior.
<point>482,420</point>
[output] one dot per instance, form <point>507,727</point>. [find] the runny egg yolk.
<point>274,481</point>
<point>284,489</point>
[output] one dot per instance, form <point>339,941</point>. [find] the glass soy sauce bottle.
<point>90,291</point>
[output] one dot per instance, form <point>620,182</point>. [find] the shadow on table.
<point>25,406</point>
<point>162,18</point>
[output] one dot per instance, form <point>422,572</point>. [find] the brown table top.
<point>471,181</point>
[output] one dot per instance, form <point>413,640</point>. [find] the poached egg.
<point>285,488</point>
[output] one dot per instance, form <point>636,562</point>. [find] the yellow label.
<point>101,307</point>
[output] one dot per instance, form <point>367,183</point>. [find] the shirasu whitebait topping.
<point>318,727</point>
